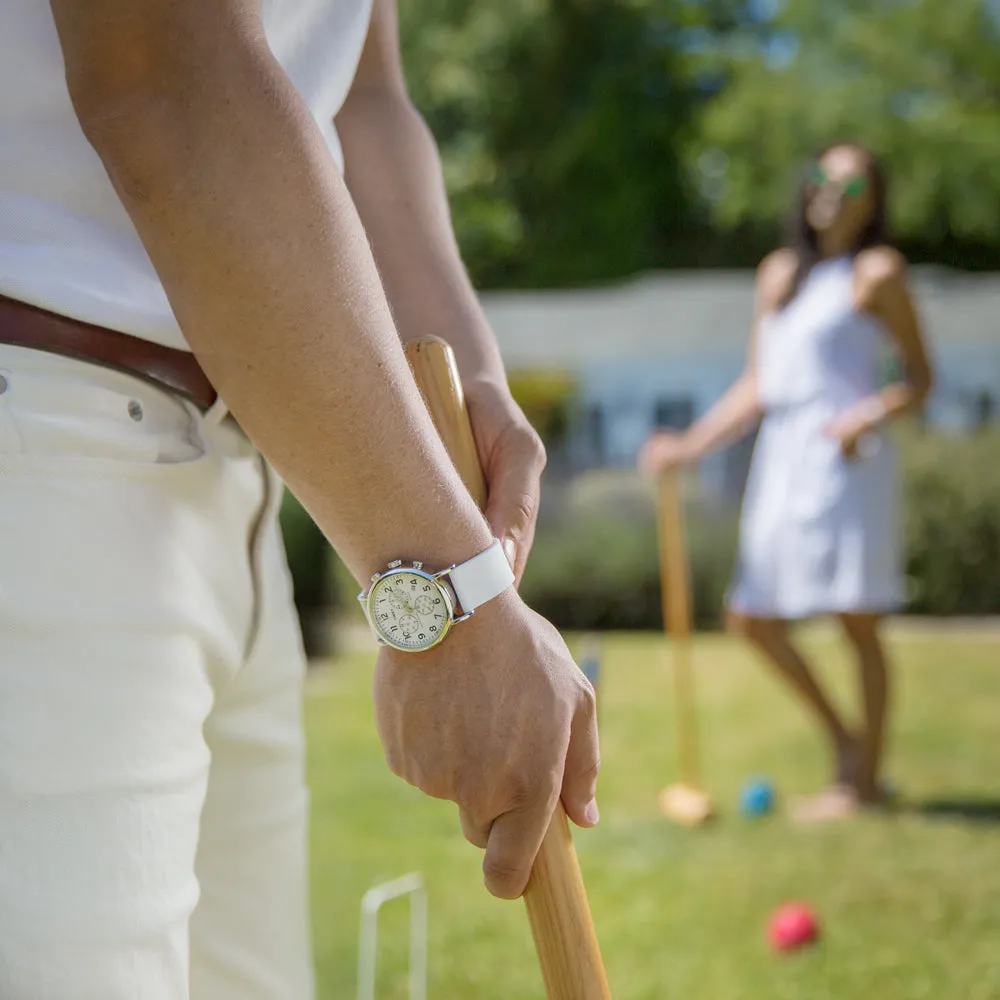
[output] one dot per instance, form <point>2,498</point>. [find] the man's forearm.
<point>249,225</point>
<point>393,172</point>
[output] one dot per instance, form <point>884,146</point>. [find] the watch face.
<point>409,610</point>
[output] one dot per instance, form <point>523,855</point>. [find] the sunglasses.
<point>852,186</point>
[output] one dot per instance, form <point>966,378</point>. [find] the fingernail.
<point>591,813</point>
<point>510,550</point>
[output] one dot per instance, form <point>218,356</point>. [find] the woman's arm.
<point>883,290</point>
<point>736,412</point>
<point>730,419</point>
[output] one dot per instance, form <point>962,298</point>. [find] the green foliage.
<point>452,55</point>
<point>309,556</point>
<point>584,140</point>
<point>559,124</point>
<point>595,566</point>
<point>321,583</point>
<point>324,588</point>
<point>601,570</point>
<point>918,82</point>
<point>952,524</point>
<point>547,399</point>
<point>587,138</point>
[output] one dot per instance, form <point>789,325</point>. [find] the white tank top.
<point>66,242</point>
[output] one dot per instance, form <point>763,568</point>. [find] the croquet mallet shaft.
<point>556,898</point>
<point>675,591</point>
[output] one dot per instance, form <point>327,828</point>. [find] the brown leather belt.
<point>171,369</point>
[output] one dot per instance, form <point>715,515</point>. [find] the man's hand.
<point>513,457</point>
<point>500,720</point>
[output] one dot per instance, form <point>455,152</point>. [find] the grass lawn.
<point>909,903</point>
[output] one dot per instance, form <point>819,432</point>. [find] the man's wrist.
<point>413,607</point>
<point>495,616</point>
<point>450,540</point>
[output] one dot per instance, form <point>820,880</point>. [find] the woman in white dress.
<point>819,531</point>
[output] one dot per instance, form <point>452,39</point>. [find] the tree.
<point>560,125</point>
<point>453,56</point>
<point>587,138</point>
<point>917,81</point>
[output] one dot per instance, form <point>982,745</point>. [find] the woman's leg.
<point>769,636</point>
<point>862,633</point>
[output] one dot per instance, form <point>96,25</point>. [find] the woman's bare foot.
<point>839,801</point>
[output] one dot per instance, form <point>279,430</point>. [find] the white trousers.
<point>152,800</point>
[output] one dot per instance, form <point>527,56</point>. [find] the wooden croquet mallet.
<point>556,899</point>
<point>684,802</point>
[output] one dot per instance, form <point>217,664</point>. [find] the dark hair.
<point>802,238</point>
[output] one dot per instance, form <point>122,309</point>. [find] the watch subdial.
<point>409,624</point>
<point>424,605</point>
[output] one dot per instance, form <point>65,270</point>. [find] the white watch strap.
<point>481,578</point>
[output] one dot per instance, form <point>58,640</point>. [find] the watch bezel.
<point>413,570</point>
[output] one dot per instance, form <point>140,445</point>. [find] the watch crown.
<point>418,565</point>
<point>395,564</point>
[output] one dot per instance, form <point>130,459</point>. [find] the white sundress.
<point>819,534</point>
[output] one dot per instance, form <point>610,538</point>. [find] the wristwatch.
<point>412,610</point>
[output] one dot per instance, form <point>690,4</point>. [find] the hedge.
<point>594,564</point>
<point>952,523</point>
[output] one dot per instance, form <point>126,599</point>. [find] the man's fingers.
<point>515,471</point>
<point>583,762</point>
<point>513,843</point>
<point>475,832</point>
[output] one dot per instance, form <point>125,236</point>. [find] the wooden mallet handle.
<point>556,899</point>
<point>675,590</point>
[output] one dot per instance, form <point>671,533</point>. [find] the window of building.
<point>675,413</point>
<point>596,432</point>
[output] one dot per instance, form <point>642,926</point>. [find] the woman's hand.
<point>666,450</point>
<point>855,429</point>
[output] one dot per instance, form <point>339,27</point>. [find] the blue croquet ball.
<point>757,798</point>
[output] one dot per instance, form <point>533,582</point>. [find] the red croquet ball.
<point>792,926</point>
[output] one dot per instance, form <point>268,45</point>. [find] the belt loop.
<point>216,413</point>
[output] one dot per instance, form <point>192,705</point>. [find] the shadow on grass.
<point>969,810</point>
